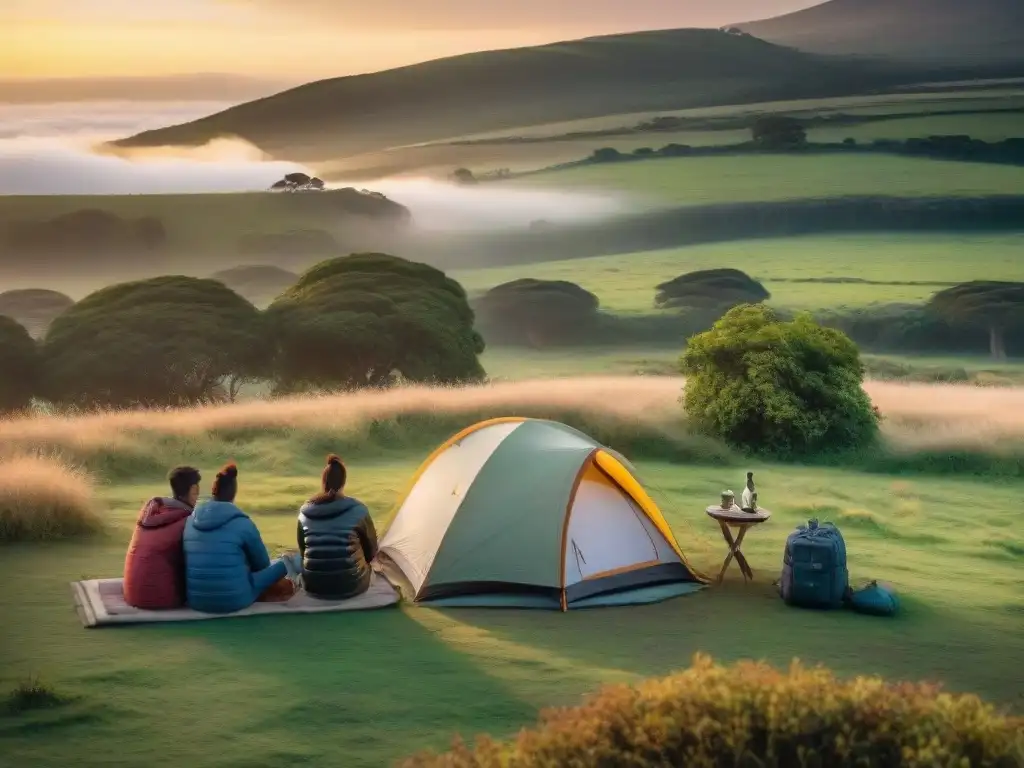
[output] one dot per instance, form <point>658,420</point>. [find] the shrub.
<point>538,312</point>
<point>43,499</point>
<point>752,716</point>
<point>715,289</point>
<point>32,694</point>
<point>19,366</point>
<point>784,388</point>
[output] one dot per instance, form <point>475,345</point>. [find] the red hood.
<point>159,512</point>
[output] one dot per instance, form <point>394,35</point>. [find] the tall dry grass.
<point>43,498</point>
<point>918,416</point>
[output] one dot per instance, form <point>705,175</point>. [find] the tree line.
<point>371,320</point>
<point>964,318</point>
<point>361,320</point>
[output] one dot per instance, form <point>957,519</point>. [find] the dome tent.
<point>521,512</point>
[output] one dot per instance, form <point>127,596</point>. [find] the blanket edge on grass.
<point>92,611</point>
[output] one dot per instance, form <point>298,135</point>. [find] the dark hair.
<point>332,480</point>
<point>182,479</point>
<point>226,485</point>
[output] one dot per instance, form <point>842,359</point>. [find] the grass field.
<point>363,689</point>
<point>626,282</point>
<point>706,180</point>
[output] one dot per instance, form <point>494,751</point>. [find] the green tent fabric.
<point>531,513</point>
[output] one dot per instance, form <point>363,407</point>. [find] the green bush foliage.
<point>752,716</point>
<point>710,289</point>
<point>19,366</point>
<point>540,313</point>
<point>360,320</point>
<point>787,388</point>
<point>991,304</point>
<point>162,341</point>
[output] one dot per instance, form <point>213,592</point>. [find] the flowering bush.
<point>752,716</point>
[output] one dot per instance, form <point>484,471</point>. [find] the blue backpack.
<point>814,573</point>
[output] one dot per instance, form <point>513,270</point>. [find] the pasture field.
<point>367,688</point>
<point>626,282</point>
<point>518,364</point>
<point>887,106</point>
<point>739,179</point>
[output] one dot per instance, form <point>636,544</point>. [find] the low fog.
<point>76,165</point>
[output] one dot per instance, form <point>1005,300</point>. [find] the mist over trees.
<point>34,308</point>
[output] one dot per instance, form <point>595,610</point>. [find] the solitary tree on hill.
<point>998,306</point>
<point>710,289</point>
<point>778,132</point>
<point>362,319</point>
<point>298,182</point>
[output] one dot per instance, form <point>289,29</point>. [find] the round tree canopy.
<point>537,311</point>
<point>163,341</point>
<point>711,288</point>
<point>357,320</point>
<point>19,365</point>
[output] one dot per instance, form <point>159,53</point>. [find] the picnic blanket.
<point>100,603</point>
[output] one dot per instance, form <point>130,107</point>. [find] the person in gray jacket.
<point>337,539</point>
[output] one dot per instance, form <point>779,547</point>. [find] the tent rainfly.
<point>531,513</point>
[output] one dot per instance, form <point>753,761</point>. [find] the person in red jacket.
<point>154,568</point>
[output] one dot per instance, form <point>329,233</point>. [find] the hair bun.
<point>333,459</point>
<point>229,470</point>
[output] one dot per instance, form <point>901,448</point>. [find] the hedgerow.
<point>753,716</point>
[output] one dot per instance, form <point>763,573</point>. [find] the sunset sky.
<point>307,39</point>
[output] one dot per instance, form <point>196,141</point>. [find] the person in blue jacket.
<point>227,566</point>
<point>337,539</point>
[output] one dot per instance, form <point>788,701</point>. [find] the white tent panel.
<point>606,531</point>
<point>413,538</point>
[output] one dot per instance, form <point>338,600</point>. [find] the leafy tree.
<point>19,366</point>
<point>778,132</point>
<point>539,312</point>
<point>605,155</point>
<point>786,388</point>
<point>992,304</point>
<point>358,320</point>
<point>718,289</point>
<point>89,230</point>
<point>163,341</point>
<point>298,182</point>
<point>463,176</point>
<point>34,308</point>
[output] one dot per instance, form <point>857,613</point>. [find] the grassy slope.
<point>487,91</point>
<point>982,31</point>
<point>893,116</point>
<point>626,282</point>
<point>360,689</point>
<point>706,180</point>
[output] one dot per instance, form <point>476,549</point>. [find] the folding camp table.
<point>736,518</point>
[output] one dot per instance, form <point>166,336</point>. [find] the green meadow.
<point>902,268</point>
<point>367,688</point>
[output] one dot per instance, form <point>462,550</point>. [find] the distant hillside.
<point>964,32</point>
<point>495,90</point>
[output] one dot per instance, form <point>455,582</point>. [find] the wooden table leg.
<point>735,552</point>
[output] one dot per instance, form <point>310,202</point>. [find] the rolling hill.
<point>493,90</point>
<point>982,33</point>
